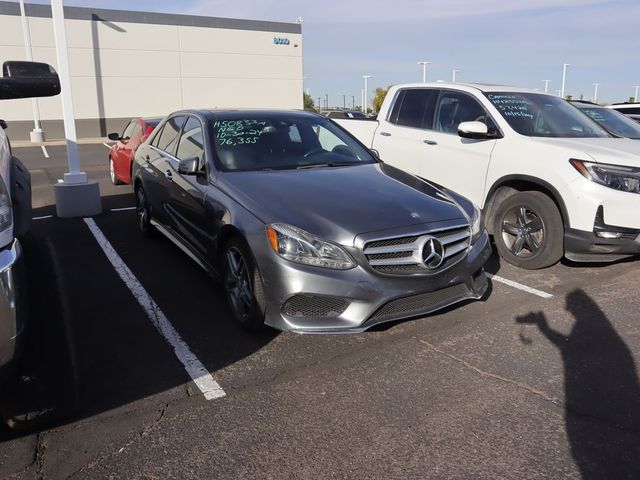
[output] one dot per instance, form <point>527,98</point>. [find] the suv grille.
<point>404,255</point>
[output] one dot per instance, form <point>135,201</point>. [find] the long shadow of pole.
<point>602,393</point>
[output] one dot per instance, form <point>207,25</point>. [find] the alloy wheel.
<point>142,210</point>
<point>238,283</point>
<point>523,231</point>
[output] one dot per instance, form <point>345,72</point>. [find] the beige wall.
<point>122,69</point>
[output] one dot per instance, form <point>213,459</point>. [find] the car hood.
<point>618,151</point>
<point>342,202</point>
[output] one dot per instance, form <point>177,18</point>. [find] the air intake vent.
<point>318,306</point>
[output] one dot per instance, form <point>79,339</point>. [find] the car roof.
<point>235,113</point>
<point>586,103</point>
<point>475,86</point>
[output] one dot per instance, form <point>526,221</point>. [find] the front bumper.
<point>12,306</point>
<point>355,300</point>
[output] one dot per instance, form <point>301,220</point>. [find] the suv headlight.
<point>298,246</point>
<point>477,226</point>
<point>618,177</point>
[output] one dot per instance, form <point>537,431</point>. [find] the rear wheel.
<point>243,284</point>
<point>143,211</point>
<point>528,230</point>
<point>112,173</point>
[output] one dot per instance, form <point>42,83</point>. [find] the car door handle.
<point>429,142</point>
<point>168,175</point>
<point>385,134</point>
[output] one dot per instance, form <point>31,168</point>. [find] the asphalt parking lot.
<point>538,380</point>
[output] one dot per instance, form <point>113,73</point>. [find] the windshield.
<point>539,115</point>
<point>614,121</point>
<point>276,142</point>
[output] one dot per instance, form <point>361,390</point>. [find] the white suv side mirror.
<point>476,130</point>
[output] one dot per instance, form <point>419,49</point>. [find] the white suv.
<point>550,181</point>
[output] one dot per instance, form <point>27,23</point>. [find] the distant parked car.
<point>355,114</point>
<point>612,120</point>
<point>306,228</point>
<point>631,110</point>
<point>122,152</point>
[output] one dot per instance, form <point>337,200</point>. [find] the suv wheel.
<point>528,230</point>
<point>112,173</point>
<point>143,211</point>
<point>243,284</point>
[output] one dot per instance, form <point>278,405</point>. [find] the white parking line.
<point>200,375</point>
<point>106,145</point>
<point>44,151</point>
<point>519,286</point>
<point>42,218</point>
<point>122,209</point>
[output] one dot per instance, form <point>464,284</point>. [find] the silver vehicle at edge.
<point>306,228</point>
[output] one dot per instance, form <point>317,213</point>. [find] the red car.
<point>122,152</point>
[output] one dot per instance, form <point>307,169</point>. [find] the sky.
<point>508,42</point>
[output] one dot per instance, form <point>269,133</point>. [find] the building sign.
<point>280,41</point>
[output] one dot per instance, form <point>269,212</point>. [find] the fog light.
<point>608,235</point>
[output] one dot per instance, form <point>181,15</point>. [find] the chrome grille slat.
<point>403,255</point>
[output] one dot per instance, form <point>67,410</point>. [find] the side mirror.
<point>189,166</point>
<point>3,125</point>
<point>28,79</point>
<point>114,137</point>
<point>475,130</point>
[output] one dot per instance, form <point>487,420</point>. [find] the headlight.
<point>477,225</point>
<point>6,210</point>
<point>618,177</point>
<point>299,246</point>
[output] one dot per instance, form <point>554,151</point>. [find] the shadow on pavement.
<point>602,393</point>
<point>91,348</point>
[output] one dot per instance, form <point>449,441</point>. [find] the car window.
<point>455,108</point>
<point>127,132</point>
<point>415,108</point>
<point>166,140</point>
<point>612,120</point>
<point>628,111</point>
<point>192,140</point>
<point>137,130</point>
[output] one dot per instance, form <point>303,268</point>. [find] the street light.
<point>546,85</point>
<point>635,97</point>
<point>454,75</point>
<point>595,93</point>
<point>36,135</point>
<point>364,95</point>
<point>424,70</point>
<point>564,78</point>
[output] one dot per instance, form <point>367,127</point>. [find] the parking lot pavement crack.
<point>114,452</point>
<point>539,393</point>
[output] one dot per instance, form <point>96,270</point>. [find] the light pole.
<point>546,85</point>
<point>319,105</point>
<point>353,102</point>
<point>75,196</point>
<point>424,70</point>
<point>344,101</point>
<point>36,135</point>
<point>635,97</point>
<point>364,95</point>
<point>564,78</point>
<point>595,92</point>
<point>326,101</point>
<point>454,75</point>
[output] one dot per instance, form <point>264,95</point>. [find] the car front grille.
<point>404,255</point>
<point>317,306</point>
<point>419,304</point>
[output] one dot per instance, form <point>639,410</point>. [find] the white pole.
<point>635,97</point>
<point>454,75</point>
<point>564,78</point>
<point>424,70</point>
<point>26,35</point>
<point>546,85</point>
<point>595,93</point>
<point>74,175</point>
<point>366,100</point>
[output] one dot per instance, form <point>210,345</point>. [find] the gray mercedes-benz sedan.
<point>307,230</point>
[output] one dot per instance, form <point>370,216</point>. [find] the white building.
<point>126,64</point>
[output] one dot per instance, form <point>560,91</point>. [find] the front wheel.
<point>143,211</point>
<point>243,284</point>
<point>528,230</point>
<point>112,173</point>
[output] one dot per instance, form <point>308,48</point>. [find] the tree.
<point>308,102</point>
<point>379,98</point>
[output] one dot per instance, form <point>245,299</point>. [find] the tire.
<point>143,211</point>
<point>528,230</point>
<point>112,173</point>
<point>243,284</point>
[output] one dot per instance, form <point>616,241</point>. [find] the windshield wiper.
<point>324,165</point>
